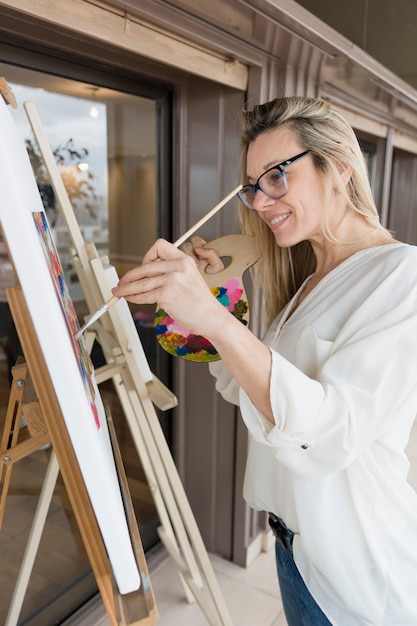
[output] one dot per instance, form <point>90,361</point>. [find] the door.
<point>111,140</point>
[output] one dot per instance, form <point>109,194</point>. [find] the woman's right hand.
<point>171,279</point>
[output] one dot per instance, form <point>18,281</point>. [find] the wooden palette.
<point>226,286</point>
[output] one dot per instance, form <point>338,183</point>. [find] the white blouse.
<point>344,398</point>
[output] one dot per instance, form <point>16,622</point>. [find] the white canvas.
<point>81,406</point>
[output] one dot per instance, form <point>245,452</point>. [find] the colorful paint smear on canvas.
<point>58,277</point>
<point>178,341</point>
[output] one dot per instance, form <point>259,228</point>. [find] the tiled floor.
<point>251,594</point>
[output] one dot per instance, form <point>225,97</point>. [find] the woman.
<point>330,394</point>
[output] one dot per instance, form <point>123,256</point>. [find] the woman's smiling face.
<point>297,216</point>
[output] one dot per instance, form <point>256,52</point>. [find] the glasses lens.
<point>247,195</point>
<point>273,183</point>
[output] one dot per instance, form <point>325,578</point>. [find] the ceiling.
<point>385,29</point>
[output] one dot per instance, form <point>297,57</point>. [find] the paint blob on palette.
<point>176,339</point>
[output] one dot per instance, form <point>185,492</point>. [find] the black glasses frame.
<point>258,187</point>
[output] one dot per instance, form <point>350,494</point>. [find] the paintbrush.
<point>177,243</point>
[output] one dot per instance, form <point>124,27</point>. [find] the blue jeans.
<point>299,606</point>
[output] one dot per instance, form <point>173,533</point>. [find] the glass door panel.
<point>106,145</point>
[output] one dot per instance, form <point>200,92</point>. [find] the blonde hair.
<point>334,146</point>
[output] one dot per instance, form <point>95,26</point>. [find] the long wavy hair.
<point>319,127</point>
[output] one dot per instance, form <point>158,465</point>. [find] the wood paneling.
<point>403,200</point>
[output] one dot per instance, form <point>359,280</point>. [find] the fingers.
<point>161,250</point>
<point>140,285</point>
<point>198,242</point>
<point>214,262</point>
<point>149,282</point>
<point>197,250</point>
<point>144,284</point>
<point>190,248</point>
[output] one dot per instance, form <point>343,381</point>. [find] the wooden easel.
<point>18,443</point>
<point>139,391</point>
<point>34,395</point>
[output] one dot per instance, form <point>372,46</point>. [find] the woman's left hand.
<point>204,257</point>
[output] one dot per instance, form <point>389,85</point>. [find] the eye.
<point>273,178</point>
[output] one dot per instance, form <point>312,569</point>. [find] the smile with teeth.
<point>277,220</point>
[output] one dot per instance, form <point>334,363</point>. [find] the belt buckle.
<point>283,534</point>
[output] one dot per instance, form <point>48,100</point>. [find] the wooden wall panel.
<point>403,200</point>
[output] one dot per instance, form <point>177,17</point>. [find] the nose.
<point>261,201</point>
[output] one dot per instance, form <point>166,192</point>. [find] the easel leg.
<point>11,449</point>
<point>11,432</point>
<point>175,521</point>
<point>32,545</point>
<point>180,532</point>
<point>184,570</point>
<point>146,452</point>
<point>189,525</point>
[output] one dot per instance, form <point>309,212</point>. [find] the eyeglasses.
<point>273,182</point>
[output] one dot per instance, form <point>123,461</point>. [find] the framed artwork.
<point>41,277</point>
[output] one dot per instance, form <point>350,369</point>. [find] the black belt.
<point>283,534</point>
